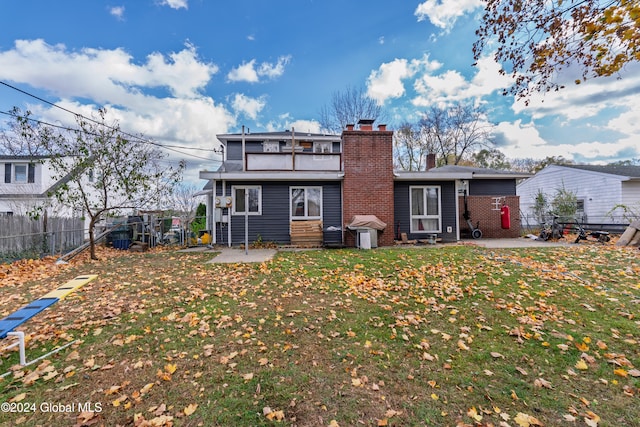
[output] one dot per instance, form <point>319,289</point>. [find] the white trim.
<point>273,176</point>
<point>425,216</point>
<point>306,203</point>
<point>246,187</point>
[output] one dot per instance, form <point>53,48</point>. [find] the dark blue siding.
<point>332,211</point>
<point>234,150</point>
<point>273,224</point>
<point>402,211</point>
<point>492,187</point>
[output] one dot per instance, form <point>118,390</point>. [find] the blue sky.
<point>181,71</point>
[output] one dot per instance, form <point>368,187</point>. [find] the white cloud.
<point>300,126</point>
<point>305,126</point>
<point>273,71</point>
<point>388,80</point>
<point>450,85</point>
<point>248,106</point>
<point>112,78</point>
<point>522,140</point>
<point>244,73</point>
<point>444,13</point>
<point>103,74</point>
<point>176,4</point>
<point>118,12</point>
<point>587,99</point>
<point>438,89</point>
<point>250,72</point>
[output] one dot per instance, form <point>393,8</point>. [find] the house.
<point>599,189</point>
<point>285,184</point>
<point>27,185</point>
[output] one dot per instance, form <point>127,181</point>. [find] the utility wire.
<point>136,137</point>
<point>163,146</point>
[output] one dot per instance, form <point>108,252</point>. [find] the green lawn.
<point>437,336</point>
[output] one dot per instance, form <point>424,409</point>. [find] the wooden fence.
<point>23,237</point>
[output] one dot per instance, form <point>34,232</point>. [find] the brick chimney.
<point>368,176</point>
<point>431,161</point>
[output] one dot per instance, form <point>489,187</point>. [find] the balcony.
<point>298,161</point>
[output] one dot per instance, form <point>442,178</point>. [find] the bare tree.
<point>491,159</point>
<point>27,137</point>
<point>411,147</point>
<point>99,169</point>
<point>530,165</point>
<point>347,107</point>
<point>185,201</point>
<point>456,132</point>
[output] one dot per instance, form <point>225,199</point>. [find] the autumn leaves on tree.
<point>539,39</point>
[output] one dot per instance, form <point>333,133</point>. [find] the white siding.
<point>600,192</point>
<point>631,193</point>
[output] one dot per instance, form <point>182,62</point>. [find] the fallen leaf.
<point>525,420</point>
<point>83,418</point>
<point>473,413</point>
<point>542,383</point>
<point>582,365</point>
<point>190,409</point>
<point>620,372</point>
<point>18,397</point>
<point>74,355</point>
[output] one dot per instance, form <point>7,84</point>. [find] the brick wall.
<point>481,209</point>
<point>368,178</point>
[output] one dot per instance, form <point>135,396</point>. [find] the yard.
<point>437,336</point>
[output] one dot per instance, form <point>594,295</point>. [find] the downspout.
<point>460,184</point>
<point>224,194</point>
<point>293,148</point>
<point>214,232</point>
<point>244,152</point>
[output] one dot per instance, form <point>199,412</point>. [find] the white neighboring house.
<point>25,185</point>
<point>598,189</point>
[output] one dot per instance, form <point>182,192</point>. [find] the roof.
<point>28,158</point>
<point>478,171</point>
<point>233,170</point>
<point>449,172</point>
<point>282,135</point>
<point>626,171</point>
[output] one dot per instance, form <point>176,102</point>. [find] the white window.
<point>271,146</point>
<point>323,147</point>
<point>425,209</point>
<point>20,173</point>
<point>255,200</point>
<point>306,203</point>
